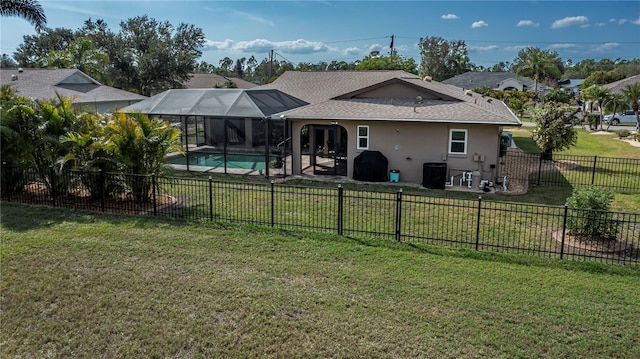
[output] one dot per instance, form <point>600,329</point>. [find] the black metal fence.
<point>480,224</point>
<point>572,170</point>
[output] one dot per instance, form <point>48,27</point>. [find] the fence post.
<point>153,185</point>
<point>340,209</point>
<point>210,198</point>
<point>593,172</point>
<point>52,176</point>
<point>539,168</point>
<point>273,203</point>
<point>398,214</point>
<point>103,188</point>
<point>478,223</point>
<point>564,229</point>
<point>5,182</point>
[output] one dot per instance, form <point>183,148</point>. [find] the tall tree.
<point>597,96</point>
<point>29,10</point>
<point>83,55</point>
<point>391,62</point>
<point>442,59</point>
<point>539,65</point>
<point>34,48</point>
<point>615,102</point>
<point>7,62</point>
<point>148,56</point>
<point>601,78</point>
<point>225,65</point>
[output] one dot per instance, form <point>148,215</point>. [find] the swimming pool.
<point>240,161</point>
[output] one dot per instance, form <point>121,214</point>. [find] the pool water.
<point>240,161</point>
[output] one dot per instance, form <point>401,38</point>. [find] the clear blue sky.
<point>312,31</point>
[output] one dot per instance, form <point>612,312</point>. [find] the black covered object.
<point>370,166</point>
<point>434,175</point>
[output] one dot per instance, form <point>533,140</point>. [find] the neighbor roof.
<point>342,96</point>
<point>317,86</point>
<point>251,103</point>
<point>44,84</point>
<point>617,86</point>
<point>477,79</point>
<point>204,81</point>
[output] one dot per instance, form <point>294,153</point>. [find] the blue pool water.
<point>240,161</point>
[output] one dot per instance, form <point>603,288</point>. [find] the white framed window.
<point>458,141</point>
<point>363,138</point>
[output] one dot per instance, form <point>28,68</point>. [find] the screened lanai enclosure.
<point>231,131</point>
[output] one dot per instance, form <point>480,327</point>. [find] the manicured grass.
<point>589,144</point>
<point>76,284</point>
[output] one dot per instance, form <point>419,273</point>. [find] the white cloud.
<point>636,21</point>
<point>352,51</point>
<point>562,46</point>
<point>601,24</point>
<point>375,47</point>
<point>299,46</point>
<point>622,21</point>
<point>449,17</point>
<point>527,23</point>
<point>217,45</point>
<point>482,48</point>
<point>606,47</point>
<point>479,24</point>
<point>569,21</point>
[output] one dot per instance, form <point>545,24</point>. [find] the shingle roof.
<point>321,86</point>
<point>43,84</point>
<point>617,86</point>
<point>203,81</point>
<point>330,95</point>
<point>477,79</point>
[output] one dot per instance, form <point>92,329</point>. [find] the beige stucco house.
<point>414,122</point>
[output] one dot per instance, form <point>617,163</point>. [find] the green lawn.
<point>78,284</point>
<point>589,144</point>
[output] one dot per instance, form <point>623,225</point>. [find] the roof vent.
<point>427,78</point>
<point>20,69</point>
<point>14,77</point>
<point>468,93</point>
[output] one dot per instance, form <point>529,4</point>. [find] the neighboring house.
<point>207,81</point>
<point>617,86</point>
<point>415,123</point>
<point>496,81</point>
<point>572,84</point>
<point>86,93</point>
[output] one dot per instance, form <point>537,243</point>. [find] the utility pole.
<point>270,65</point>
<point>392,50</point>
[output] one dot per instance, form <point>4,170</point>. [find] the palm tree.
<point>596,95</point>
<point>139,144</point>
<point>29,10</point>
<point>632,94</point>
<point>539,63</point>
<point>615,102</point>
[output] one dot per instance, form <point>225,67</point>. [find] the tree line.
<point>147,56</point>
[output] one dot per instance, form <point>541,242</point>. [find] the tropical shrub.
<point>592,219</point>
<point>139,144</point>
<point>623,133</point>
